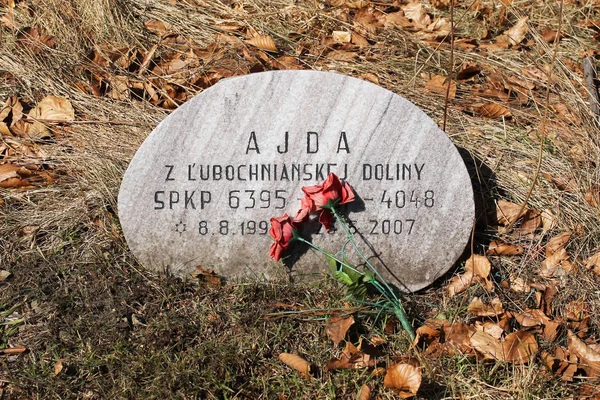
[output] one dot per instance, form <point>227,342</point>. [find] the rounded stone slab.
<point>204,184</point>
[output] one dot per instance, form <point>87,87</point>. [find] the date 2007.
<point>387,226</point>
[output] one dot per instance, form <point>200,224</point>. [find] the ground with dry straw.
<point>83,82</point>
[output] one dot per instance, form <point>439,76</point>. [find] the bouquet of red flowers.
<point>323,199</point>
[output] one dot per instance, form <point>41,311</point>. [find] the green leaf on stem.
<point>342,272</point>
<point>354,280</point>
<point>342,277</point>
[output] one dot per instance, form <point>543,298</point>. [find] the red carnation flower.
<point>307,207</point>
<point>332,190</point>
<point>330,193</point>
<point>282,230</point>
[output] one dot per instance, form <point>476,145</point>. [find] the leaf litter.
<point>23,161</point>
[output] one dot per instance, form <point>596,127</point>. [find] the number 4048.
<point>401,198</point>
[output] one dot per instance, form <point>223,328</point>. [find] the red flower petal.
<point>326,219</point>
<point>347,193</point>
<point>276,251</point>
<point>282,230</point>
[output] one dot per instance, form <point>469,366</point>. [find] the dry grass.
<point>79,289</point>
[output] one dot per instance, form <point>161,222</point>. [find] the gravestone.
<point>203,186</point>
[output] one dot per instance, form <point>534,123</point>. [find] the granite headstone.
<point>204,184</point>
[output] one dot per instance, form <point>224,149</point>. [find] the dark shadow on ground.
<point>485,191</point>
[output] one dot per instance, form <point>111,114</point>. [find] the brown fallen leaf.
<point>157,27</point>
<point>403,379</point>
<point>562,183</point>
<point>58,367</point>
<point>396,19</point>
<point>30,229</point>
<point>481,268</point>
<point>33,39</point>
<point>8,20</point>
<point>479,309</point>
<point>508,213</point>
<point>593,197</point>
<point>577,310</point>
<point>119,88</point>
<point>370,77</point>
<point>342,55</point>
<point>536,318</point>
<point>519,346</point>
<point>31,129</point>
<point>229,27</point>
<point>492,328</point>
<point>351,357</point>
<point>544,299</point>
<point>531,222</point>
<point>467,71</point>
<point>549,220</point>
<point>336,328</point>
<point>4,274</point>
<point>592,262</point>
<point>414,12</point>
<point>516,34</point>
<point>377,341</point>
<point>296,362</point>
<point>51,109</point>
<point>365,393</point>
<point>459,283</point>
<point>493,110</point>
<point>285,62</point>
<point>437,30</point>
<point>457,337</point>
<point>589,390</point>
<point>487,345</point>
<point>208,275</point>
<point>430,330</point>
<point>8,171</point>
<point>563,363</point>
<point>14,350</point>
<point>498,248</point>
<point>357,4</point>
<point>565,114</point>
<point>170,66</point>
<point>359,40</point>
<point>4,131</point>
<point>586,353</point>
<point>341,36</point>
<point>368,19</point>
<point>13,183</point>
<point>557,242</point>
<point>550,266</point>
<point>263,42</point>
<point>437,84</point>
<point>550,35</point>
<point>12,111</point>
<point>477,270</point>
<point>444,3</point>
<point>518,284</point>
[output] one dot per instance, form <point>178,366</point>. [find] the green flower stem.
<point>350,237</point>
<point>328,254</point>
<point>387,291</point>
